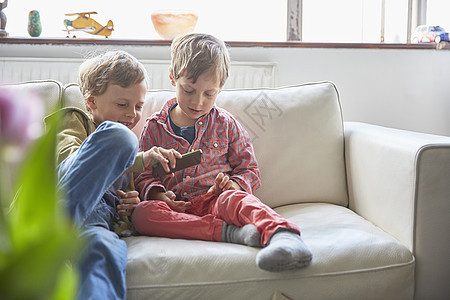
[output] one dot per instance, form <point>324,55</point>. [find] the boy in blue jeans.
<point>96,155</point>
<point>212,201</point>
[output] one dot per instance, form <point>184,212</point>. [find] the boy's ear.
<point>91,102</point>
<point>172,80</point>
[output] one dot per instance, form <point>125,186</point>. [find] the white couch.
<point>372,203</point>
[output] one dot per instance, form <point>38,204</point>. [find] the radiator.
<point>65,70</point>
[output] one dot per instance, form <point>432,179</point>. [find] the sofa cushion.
<point>348,251</point>
<point>297,132</point>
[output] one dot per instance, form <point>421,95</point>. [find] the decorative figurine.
<point>3,32</point>
<point>34,23</point>
<point>85,23</point>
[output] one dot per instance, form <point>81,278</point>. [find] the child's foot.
<point>286,251</point>
<point>246,235</point>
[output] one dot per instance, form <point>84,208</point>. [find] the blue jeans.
<point>85,176</point>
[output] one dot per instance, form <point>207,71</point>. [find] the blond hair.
<point>194,54</point>
<point>112,67</point>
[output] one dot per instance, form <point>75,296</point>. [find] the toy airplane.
<point>85,23</point>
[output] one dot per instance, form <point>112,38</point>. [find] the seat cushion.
<point>352,259</point>
<point>297,132</point>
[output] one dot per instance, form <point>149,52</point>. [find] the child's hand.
<point>166,157</point>
<point>223,183</point>
<point>169,198</point>
<point>128,202</point>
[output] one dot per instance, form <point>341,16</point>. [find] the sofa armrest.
<point>400,181</point>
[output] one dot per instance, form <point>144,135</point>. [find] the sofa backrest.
<point>49,90</point>
<point>297,132</point>
<point>72,96</point>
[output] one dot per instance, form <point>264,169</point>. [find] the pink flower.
<point>21,117</point>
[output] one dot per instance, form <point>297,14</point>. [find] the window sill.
<point>291,44</point>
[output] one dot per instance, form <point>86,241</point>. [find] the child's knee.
<point>120,135</point>
<point>112,138</point>
<point>232,197</point>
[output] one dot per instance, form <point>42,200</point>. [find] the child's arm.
<point>145,183</point>
<point>242,159</point>
<point>73,129</point>
<point>145,159</point>
<point>129,201</point>
<point>167,158</point>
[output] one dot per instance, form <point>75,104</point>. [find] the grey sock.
<point>286,251</point>
<point>246,235</point>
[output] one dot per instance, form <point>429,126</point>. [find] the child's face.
<point>118,104</point>
<point>194,99</point>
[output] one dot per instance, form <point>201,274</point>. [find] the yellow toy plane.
<point>85,23</point>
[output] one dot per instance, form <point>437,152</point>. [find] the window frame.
<point>288,44</point>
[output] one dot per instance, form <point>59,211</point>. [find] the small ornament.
<point>34,23</point>
<point>3,32</point>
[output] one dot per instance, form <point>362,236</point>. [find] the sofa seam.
<point>420,152</point>
<point>256,280</point>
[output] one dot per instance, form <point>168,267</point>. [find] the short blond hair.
<point>194,54</point>
<point>112,67</point>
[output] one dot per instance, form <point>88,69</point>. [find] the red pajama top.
<point>225,145</point>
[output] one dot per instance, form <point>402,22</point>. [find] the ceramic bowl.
<point>171,23</point>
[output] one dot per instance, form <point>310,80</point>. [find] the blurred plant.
<point>38,242</point>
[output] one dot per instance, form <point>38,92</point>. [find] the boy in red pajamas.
<point>214,200</point>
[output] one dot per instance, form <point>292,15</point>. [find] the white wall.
<point>406,89</point>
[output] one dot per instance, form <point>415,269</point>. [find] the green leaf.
<point>35,206</point>
<point>41,236</point>
<point>67,285</point>
<point>34,272</point>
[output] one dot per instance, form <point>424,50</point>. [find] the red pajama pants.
<point>204,218</point>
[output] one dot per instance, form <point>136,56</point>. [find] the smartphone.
<point>187,160</point>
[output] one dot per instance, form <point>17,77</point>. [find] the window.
<point>438,13</point>
<point>340,21</point>
<point>355,21</point>
<point>238,20</point>
<point>351,21</point>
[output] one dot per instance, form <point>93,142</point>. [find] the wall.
<point>407,89</point>
<point>404,89</point>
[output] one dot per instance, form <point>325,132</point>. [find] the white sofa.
<point>373,204</point>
